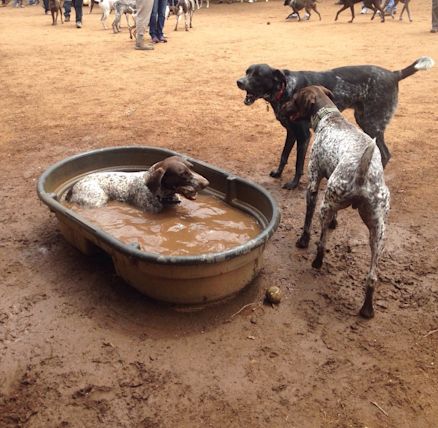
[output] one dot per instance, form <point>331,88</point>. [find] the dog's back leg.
<point>60,13</point>
<point>346,6</point>
<point>316,11</point>
<point>376,227</point>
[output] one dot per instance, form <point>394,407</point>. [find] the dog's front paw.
<point>275,173</point>
<point>303,242</point>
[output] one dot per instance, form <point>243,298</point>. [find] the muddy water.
<point>206,225</point>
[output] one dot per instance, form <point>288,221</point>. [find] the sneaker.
<point>434,30</point>
<point>162,39</point>
<point>292,16</point>
<point>155,40</point>
<point>364,11</point>
<point>67,19</point>
<point>79,24</point>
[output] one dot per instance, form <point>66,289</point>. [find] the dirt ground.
<point>79,348</point>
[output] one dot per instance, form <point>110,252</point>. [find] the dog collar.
<point>322,112</point>
<point>280,92</point>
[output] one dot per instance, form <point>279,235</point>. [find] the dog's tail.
<point>422,63</point>
<point>364,164</point>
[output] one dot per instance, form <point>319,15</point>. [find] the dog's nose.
<point>241,83</point>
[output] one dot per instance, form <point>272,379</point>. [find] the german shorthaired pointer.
<point>347,158</point>
<point>370,90</point>
<point>374,5</point>
<point>148,190</point>
<point>298,5</point>
<point>123,7</point>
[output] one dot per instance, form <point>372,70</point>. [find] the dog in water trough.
<point>148,190</point>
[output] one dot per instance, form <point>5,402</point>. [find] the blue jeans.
<point>158,17</point>
<point>78,9</point>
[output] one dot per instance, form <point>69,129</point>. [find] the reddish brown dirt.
<point>79,348</point>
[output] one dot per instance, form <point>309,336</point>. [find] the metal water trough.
<point>177,279</point>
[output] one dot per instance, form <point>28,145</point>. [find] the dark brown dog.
<point>55,7</point>
<point>374,5</point>
<point>298,5</point>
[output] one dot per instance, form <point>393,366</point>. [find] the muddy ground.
<point>79,348</point>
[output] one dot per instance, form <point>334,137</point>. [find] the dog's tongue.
<point>249,99</point>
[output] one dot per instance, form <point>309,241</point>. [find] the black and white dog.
<point>186,8</point>
<point>370,90</point>
<point>124,7</point>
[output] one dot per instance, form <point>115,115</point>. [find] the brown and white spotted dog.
<point>55,7</point>
<point>186,8</point>
<point>351,162</point>
<point>147,190</point>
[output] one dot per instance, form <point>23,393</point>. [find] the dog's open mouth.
<point>188,192</point>
<point>249,99</point>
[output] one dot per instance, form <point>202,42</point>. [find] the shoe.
<point>434,30</point>
<point>292,16</point>
<point>364,11</point>
<point>155,40</point>
<point>139,44</point>
<point>162,39</point>
<point>79,24</point>
<point>67,19</point>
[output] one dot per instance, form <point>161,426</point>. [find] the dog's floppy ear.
<point>153,180</point>
<point>326,91</point>
<point>305,99</point>
<point>186,163</point>
<point>279,76</point>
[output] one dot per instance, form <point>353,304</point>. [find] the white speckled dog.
<point>147,190</point>
<point>348,158</point>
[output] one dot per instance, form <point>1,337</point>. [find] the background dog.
<point>298,5</point>
<point>348,158</point>
<point>370,90</point>
<point>123,7</point>
<point>186,8</point>
<point>106,6</point>
<point>374,5</point>
<point>55,7</point>
<point>149,191</point>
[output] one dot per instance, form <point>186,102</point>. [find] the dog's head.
<point>261,81</point>
<point>306,102</point>
<point>172,176</point>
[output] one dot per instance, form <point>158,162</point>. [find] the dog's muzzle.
<point>249,99</point>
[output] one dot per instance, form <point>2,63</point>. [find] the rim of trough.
<point>208,258</point>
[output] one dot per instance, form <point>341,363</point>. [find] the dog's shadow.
<point>92,289</point>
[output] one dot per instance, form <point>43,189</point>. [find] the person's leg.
<point>161,19</point>
<point>78,12</point>
<point>153,21</point>
<point>434,16</point>
<point>144,9</point>
<point>67,9</point>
